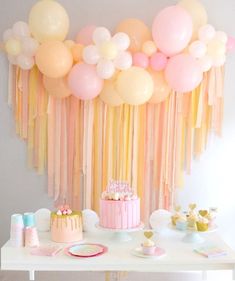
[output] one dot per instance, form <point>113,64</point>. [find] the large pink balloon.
<point>84,36</point>
<point>172,30</point>
<point>84,82</point>
<point>183,73</point>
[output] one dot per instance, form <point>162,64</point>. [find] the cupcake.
<point>148,247</point>
<point>202,224</point>
<point>176,216</point>
<point>181,223</point>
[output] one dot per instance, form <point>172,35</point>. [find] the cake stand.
<point>121,235</point>
<point>194,236</point>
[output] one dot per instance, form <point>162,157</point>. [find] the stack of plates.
<point>86,250</point>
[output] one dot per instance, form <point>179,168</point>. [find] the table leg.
<point>31,275</point>
<point>233,274</point>
<point>204,275</point>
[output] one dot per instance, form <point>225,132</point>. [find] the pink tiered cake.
<point>119,207</point>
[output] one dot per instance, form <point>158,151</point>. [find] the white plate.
<point>139,253</point>
<point>85,250</point>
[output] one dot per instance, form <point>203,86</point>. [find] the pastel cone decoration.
<point>183,73</point>
<point>172,30</point>
<point>84,82</point>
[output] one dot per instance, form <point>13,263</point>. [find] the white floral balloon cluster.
<point>108,53</point>
<point>210,48</point>
<point>20,46</point>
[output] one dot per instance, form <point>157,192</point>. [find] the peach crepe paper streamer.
<point>84,144</point>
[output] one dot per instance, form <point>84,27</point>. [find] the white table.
<point>179,257</point>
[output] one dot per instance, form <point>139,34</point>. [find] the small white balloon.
<point>8,34</point>
<point>25,62</point>
<point>90,220</point>
<point>91,54</point>
<point>105,69</point>
<point>160,220</point>
<point>219,61</point>
<point>121,40</point>
<point>205,63</point>
<point>197,49</point>
<point>42,219</point>
<point>12,59</point>
<point>206,33</point>
<point>123,61</point>
<point>221,36</point>
<point>21,29</point>
<point>100,35</point>
<point>29,46</point>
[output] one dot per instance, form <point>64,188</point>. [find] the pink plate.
<point>138,252</point>
<point>86,250</point>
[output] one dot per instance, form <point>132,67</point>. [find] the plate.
<point>159,252</point>
<point>86,250</point>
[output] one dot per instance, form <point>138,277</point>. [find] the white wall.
<point>212,181</point>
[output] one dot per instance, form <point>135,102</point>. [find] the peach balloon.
<point>109,94</point>
<point>54,59</point>
<point>161,88</point>
<point>56,87</point>
<point>138,32</point>
<point>77,51</point>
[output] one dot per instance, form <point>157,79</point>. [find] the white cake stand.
<point>194,236</point>
<point>121,235</point>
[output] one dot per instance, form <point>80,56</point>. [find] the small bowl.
<point>148,250</point>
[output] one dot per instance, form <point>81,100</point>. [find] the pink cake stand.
<point>121,235</point>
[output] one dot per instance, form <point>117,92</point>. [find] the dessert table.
<point>179,257</point>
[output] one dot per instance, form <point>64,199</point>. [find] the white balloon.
<point>105,69</point>
<point>219,61</point>
<point>42,219</point>
<point>91,54</point>
<point>160,219</point>
<point>205,63</point>
<point>8,34</point>
<point>123,61</point>
<point>21,29</point>
<point>29,46</point>
<point>12,59</point>
<point>90,220</point>
<point>206,33</point>
<point>121,40</point>
<point>197,49</point>
<point>221,36</point>
<point>25,62</point>
<point>100,35</point>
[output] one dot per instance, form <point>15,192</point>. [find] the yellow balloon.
<point>13,47</point>
<point>54,59</point>
<point>198,14</point>
<point>149,48</point>
<point>138,32</point>
<point>108,50</point>
<point>161,88</point>
<point>134,86</point>
<point>109,94</point>
<point>216,48</point>
<point>48,20</point>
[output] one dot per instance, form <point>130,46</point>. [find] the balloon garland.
<point>134,106</point>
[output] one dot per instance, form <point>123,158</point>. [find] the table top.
<point>179,255</point>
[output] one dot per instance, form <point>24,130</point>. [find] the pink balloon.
<point>158,61</point>
<point>84,36</point>
<point>183,73</point>
<point>84,82</point>
<point>140,60</point>
<point>172,30</point>
<point>231,43</point>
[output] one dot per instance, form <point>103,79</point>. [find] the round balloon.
<point>134,85</point>
<point>85,35</point>
<point>13,47</point>
<point>57,87</point>
<point>161,89</point>
<point>109,94</point>
<point>183,73</point>
<point>54,59</point>
<point>48,20</point>
<point>90,219</point>
<point>140,59</point>
<point>172,30</point>
<point>197,12</point>
<point>137,31</point>
<point>84,82</point>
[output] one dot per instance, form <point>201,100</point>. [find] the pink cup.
<point>31,237</point>
<point>148,250</point>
